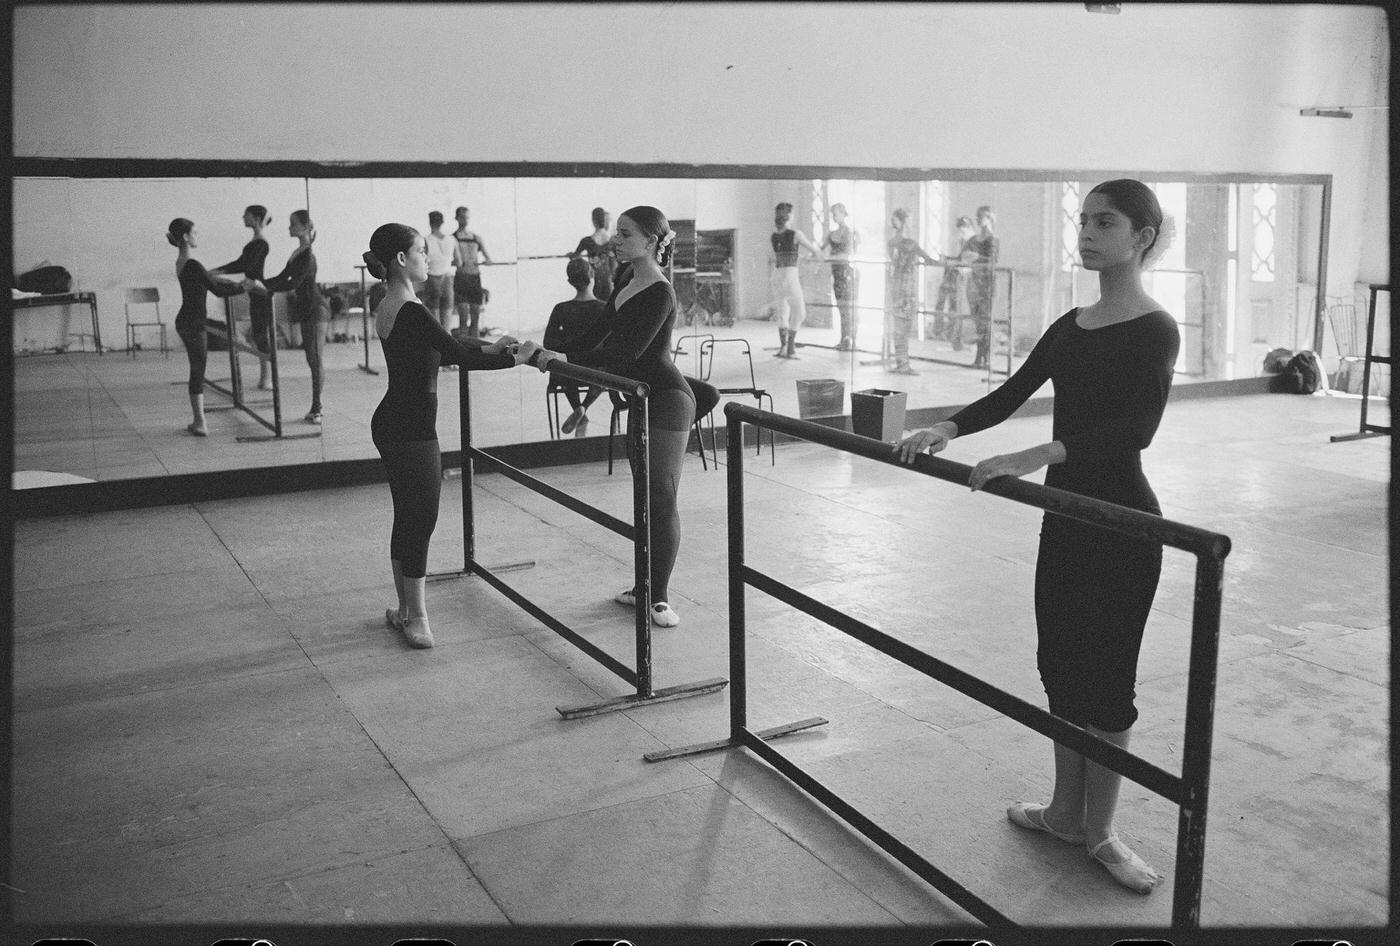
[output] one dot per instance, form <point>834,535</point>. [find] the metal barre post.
<point>738,690</point>
<point>637,419</point>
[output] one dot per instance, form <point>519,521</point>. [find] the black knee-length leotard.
<point>404,426</point>
<point>1093,588</point>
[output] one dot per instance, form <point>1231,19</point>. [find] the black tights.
<point>671,413</point>
<point>313,334</point>
<point>197,350</point>
<point>415,483</point>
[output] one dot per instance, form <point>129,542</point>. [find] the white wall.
<point>1161,87</point>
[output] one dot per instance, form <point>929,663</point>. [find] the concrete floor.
<point>212,724</point>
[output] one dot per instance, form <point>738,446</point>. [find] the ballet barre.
<point>1188,790</point>
<point>638,532</point>
<point>364,319</point>
<point>235,389</point>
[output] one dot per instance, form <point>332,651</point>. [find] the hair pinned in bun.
<point>1166,235</point>
<point>373,265</point>
<point>653,223</point>
<point>387,242</point>
<point>177,231</point>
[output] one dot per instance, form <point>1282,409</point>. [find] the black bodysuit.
<point>404,426</point>
<point>416,347</point>
<point>1094,588</point>
<point>195,286</point>
<point>250,263</point>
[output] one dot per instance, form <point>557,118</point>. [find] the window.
<point>1265,216</point>
<point>1069,225</point>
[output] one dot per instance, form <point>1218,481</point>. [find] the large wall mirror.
<point>1242,278</point>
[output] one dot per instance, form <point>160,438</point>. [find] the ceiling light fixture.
<point>1336,111</point>
<point>1104,7</point>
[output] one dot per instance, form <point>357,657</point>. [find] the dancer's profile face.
<point>630,241</point>
<point>416,259</point>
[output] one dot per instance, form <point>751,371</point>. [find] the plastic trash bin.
<point>821,397</point>
<point>878,414</point>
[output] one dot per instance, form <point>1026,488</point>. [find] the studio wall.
<point>1193,88</point>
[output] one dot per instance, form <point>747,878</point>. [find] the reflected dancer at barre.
<point>308,308</point>
<point>1111,366</point>
<point>633,339</point>
<point>250,263</point>
<point>840,245</point>
<point>196,283</point>
<point>404,425</point>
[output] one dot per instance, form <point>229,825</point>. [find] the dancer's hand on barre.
<point>932,439</point>
<point>532,354</point>
<point>1015,464</point>
<point>506,343</point>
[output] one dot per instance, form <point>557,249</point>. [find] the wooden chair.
<point>145,295</point>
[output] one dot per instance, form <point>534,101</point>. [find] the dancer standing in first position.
<point>404,426</point>
<point>1111,365</point>
<point>633,338</point>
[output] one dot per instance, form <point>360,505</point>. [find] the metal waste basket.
<point>821,397</point>
<point>878,414</point>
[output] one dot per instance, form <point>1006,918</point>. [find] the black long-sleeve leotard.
<point>299,278</point>
<point>415,348</point>
<point>1111,385</point>
<point>634,339</point>
<point>195,286</point>
<point>251,261</point>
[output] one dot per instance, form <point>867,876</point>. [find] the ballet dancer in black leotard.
<point>308,306</point>
<point>1111,365</point>
<point>195,285</point>
<point>633,338</point>
<point>250,264</point>
<point>404,425</point>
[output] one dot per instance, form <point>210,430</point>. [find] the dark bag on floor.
<point>50,280</point>
<point>1305,370</point>
<point>1300,374</point>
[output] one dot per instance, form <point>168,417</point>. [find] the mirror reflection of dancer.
<point>471,297</point>
<point>840,246</point>
<point>789,305</point>
<point>983,288</point>
<point>947,320</point>
<point>250,264</point>
<point>597,248</point>
<point>633,339</point>
<point>570,320</point>
<point>905,255</point>
<point>404,425</point>
<point>308,308</point>
<point>1111,366</point>
<point>196,283</point>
